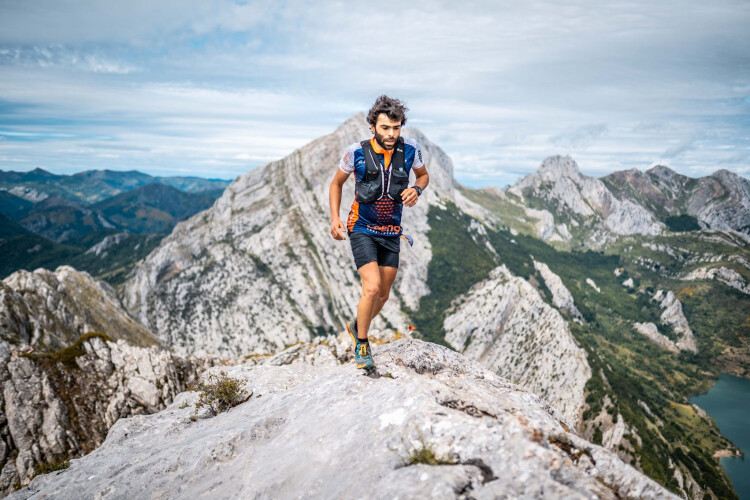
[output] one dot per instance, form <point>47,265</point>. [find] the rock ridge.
<point>302,432</point>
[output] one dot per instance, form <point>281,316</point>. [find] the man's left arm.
<point>409,197</point>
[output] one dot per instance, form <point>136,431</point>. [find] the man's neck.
<point>381,151</point>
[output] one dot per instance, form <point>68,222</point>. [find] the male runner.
<point>381,167</point>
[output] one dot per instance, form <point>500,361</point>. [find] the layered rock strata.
<point>581,200</point>
<point>505,324</point>
<point>260,270</point>
<point>60,405</point>
<point>672,315</point>
<point>49,310</point>
<point>561,296</point>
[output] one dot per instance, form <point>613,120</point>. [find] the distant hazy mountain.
<point>9,228</point>
<point>105,239</point>
<point>14,206</point>
<point>718,201</point>
<point>153,208</point>
<point>560,204</point>
<point>93,185</point>
<point>107,255</point>
<point>60,219</point>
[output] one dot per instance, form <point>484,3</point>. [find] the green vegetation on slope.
<point>632,372</point>
<point>154,208</point>
<point>30,252</point>
<point>681,223</point>
<point>459,259</point>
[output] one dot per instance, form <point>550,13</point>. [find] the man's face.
<point>386,131</point>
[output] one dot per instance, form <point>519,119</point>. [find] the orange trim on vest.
<point>386,153</point>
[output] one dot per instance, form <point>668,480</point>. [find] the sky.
<point>217,88</point>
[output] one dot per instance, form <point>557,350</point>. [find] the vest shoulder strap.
<point>398,158</point>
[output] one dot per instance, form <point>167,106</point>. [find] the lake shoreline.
<point>727,403</point>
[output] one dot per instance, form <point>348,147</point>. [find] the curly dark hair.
<point>393,109</point>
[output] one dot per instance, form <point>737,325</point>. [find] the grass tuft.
<point>424,453</point>
<point>50,467</point>
<point>220,393</point>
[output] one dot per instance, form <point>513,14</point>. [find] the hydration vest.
<point>376,184</point>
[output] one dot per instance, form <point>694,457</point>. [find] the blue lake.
<point>728,402</point>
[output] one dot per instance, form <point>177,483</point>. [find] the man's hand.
<point>338,230</point>
<point>409,197</point>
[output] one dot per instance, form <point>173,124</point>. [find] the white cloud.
<point>498,85</point>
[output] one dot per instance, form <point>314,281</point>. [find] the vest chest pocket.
<point>398,182</point>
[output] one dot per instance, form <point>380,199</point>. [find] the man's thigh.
<point>387,276</point>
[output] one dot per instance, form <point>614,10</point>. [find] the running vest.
<point>376,184</point>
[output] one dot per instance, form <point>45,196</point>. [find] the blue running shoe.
<point>363,356</point>
<point>351,327</point>
<point>362,353</point>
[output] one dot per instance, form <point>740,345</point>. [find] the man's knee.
<point>383,297</point>
<point>371,290</point>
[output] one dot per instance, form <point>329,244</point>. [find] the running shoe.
<point>351,327</point>
<point>363,356</point>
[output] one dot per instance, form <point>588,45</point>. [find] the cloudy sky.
<point>216,88</point>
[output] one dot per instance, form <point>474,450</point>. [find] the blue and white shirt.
<point>383,217</point>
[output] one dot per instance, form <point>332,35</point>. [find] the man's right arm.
<point>338,229</point>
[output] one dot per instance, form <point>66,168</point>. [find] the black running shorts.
<point>381,249</point>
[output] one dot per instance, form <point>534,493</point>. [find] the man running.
<point>381,168</point>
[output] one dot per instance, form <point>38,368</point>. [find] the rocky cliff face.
<point>720,201</point>
<point>504,324</point>
<point>259,270</point>
<point>50,310</point>
<point>58,405</point>
<point>439,425</point>
<point>578,200</point>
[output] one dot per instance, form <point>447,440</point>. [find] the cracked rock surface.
<point>52,410</point>
<point>307,431</point>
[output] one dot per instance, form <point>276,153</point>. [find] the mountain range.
<point>59,227</point>
<point>92,186</point>
<point>613,299</point>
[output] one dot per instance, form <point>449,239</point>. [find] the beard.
<point>380,139</point>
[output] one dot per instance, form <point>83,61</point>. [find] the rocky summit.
<point>433,425</point>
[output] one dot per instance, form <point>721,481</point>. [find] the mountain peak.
<point>661,171</point>
<point>560,166</point>
<point>41,171</point>
<point>726,175</point>
<point>356,124</point>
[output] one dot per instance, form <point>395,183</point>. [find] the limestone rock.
<point>504,324</point>
<point>652,332</point>
<point>673,315</point>
<point>56,406</point>
<point>560,188</point>
<point>725,275</point>
<point>592,284</point>
<point>561,296</point>
<point>49,310</point>
<point>302,434</point>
